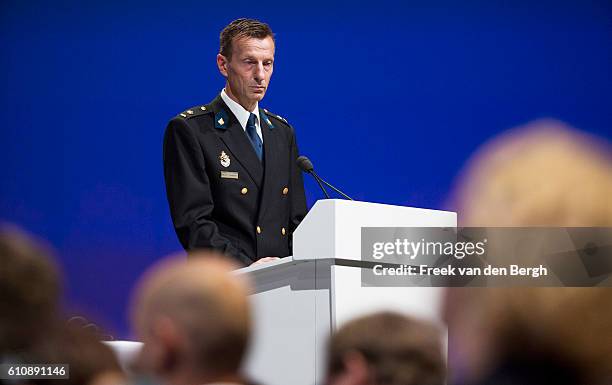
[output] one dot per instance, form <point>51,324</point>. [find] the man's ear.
<point>170,342</point>
<point>355,370</point>
<point>222,63</point>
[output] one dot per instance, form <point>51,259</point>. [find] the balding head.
<point>193,317</point>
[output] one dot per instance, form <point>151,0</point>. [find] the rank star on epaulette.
<point>224,159</point>
<point>194,112</point>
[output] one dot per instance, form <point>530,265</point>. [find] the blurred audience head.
<point>90,362</point>
<point>194,320</point>
<point>386,349</point>
<point>31,329</point>
<point>556,334</point>
<point>29,290</point>
<point>542,174</point>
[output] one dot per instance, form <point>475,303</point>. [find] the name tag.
<point>229,174</point>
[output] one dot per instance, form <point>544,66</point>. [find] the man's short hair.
<point>206,302</point>
<point>399,350</point>
<point>241,28</point>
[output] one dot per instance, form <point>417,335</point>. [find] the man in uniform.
<point>231,177</point>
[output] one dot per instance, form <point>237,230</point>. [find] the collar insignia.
<point>221,119</point>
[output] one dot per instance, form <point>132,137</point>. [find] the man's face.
<point>249,70</point>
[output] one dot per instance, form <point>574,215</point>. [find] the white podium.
<point>298,301</point>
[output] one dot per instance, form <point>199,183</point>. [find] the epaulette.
<point>278,117</point>
<point>195,111</point>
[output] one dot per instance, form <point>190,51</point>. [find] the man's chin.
<point>257,96</point>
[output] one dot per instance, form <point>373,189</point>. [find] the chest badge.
<point>225,159</point>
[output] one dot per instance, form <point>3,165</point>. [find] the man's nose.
<point>260,74</point>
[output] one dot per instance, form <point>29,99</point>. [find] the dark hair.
<point>80,348</point>
<point>29,289</point>
<point>399,350</point>
<point>240,28</point>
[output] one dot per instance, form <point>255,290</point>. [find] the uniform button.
<point>244,190</point>
<point>283,231</point>
<point>258,230</point>
<point>285,191</point>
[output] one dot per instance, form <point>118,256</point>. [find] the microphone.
<point>306,165</point>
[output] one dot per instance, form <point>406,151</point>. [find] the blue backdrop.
<point>388,100</point>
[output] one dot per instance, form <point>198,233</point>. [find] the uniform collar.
<point>239,112</point>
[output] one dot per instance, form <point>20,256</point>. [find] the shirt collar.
<point>239,112</point>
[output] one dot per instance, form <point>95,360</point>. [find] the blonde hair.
<point>542,174</point>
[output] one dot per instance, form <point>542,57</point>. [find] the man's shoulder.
<point>279,121</point>
<point>276,117</point>
<point>195,112</point>
<point>191,120</point>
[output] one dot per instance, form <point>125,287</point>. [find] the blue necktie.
<point>251,131</point>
